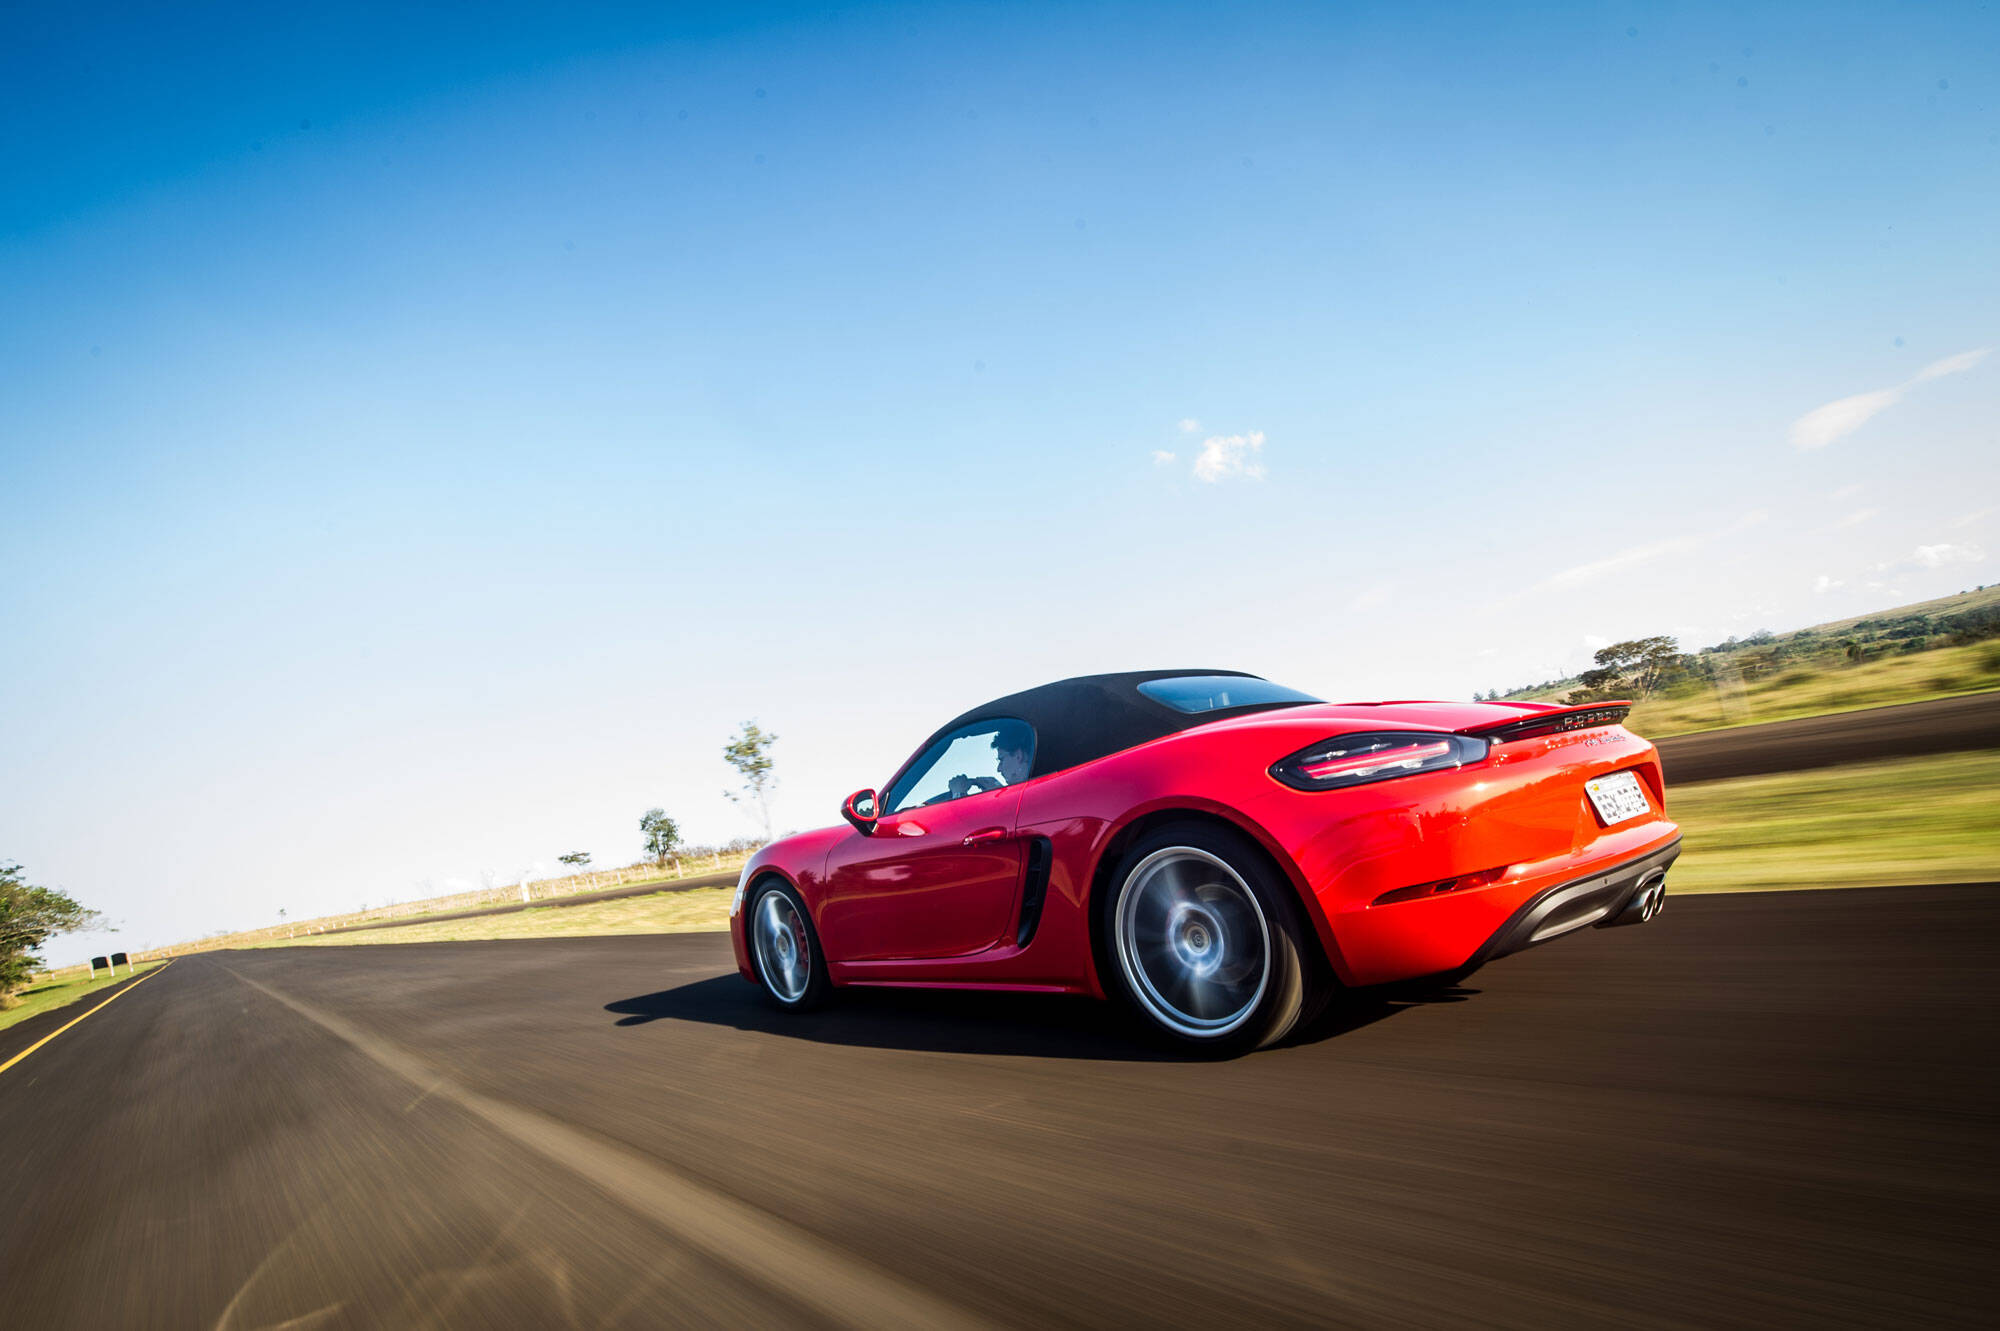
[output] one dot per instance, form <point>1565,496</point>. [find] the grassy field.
<point>1911,820</point>
<point>1807,691</point>
<point>730,868</point>
<point>694,910</point>
<point>57,993</point>
<point>1908,820</point>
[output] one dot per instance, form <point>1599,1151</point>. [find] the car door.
<point>941,873</point>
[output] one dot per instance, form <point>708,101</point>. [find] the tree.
<point>1638,667</point>
<point>577,860</point>
<point>29,917</point>
<point>750,754</point>
<point>662,835</point>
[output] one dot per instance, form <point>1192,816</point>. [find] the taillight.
<point>1356,760</point>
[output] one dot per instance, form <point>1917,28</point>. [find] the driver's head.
<point>1013,759</point>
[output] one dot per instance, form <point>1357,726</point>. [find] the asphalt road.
<point>1761,1109</point>
<point>1944,725</point>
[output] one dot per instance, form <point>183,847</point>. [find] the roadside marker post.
<point>87,1011</point>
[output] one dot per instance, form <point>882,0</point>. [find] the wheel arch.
<point>1148,818</point>
<point>760,874</point>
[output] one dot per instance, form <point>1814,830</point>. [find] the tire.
<point>1205,942</point>
<point>784,947</point>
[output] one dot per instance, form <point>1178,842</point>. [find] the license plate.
<point>1617,797</point>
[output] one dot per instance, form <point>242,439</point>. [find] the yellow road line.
<point>73,1021</point>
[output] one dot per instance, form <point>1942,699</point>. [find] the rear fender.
<point>1153,813</point>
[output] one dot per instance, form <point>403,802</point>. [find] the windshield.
<point>1215,693</point>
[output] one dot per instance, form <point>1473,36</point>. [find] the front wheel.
<point>1206,941</point>
<point>786,947</point>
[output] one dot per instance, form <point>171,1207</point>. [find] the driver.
<point>1012,761</point>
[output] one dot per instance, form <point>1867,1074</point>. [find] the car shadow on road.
<point>949,1021</point>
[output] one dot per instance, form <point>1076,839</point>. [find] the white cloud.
<point>1189,425</point>
<point>1979,515</point>
<point>1224,457</point>
<point>1845,492</point>
<point>1630,557</point>
<point>1964,360</point>
<point>1823,583</point>
<point>1162,458</point>
<point>1633,556</point>
<point>1856,518</point>
<point>1944,553</point>
<point>1822,425</point>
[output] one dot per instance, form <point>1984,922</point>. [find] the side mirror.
<point>860,810</point>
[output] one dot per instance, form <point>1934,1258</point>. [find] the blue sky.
<point>424,437</point>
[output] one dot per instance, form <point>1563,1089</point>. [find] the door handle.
<point>985,834</point>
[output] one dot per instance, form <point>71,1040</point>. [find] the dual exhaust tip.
<point>1646,902</point>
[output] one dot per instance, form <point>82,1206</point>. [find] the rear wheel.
<point>1206,941</point>
<point>786,947</point>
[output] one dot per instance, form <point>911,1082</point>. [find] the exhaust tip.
<point>1645,903</point>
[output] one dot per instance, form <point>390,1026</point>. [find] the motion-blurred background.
<point>428,435</point>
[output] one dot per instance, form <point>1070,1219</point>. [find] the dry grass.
<point>1909,820</point>
<point>1803,690</point>
<point>696,910</point>
<point>299,932</point>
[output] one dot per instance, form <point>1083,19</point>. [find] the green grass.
<point>1805,690</point>
<point>695,910</point>
<point>1909,820</point>
<point>56,993</point>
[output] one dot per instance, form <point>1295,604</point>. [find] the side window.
<point>985,755</point>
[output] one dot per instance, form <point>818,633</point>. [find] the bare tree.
<point>749,752</point>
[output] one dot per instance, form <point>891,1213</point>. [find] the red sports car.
<point>1220,852</point>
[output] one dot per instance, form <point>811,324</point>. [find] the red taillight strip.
<point>1375,762</point>
<point>1463,883</point>
<point>1553,723</point>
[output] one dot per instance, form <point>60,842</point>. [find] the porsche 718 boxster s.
<point>1219,852</point>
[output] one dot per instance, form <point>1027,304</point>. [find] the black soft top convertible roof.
<point>1082,719</point>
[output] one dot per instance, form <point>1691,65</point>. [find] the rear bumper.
<point>1597,899</point>
<point>1454,932</point>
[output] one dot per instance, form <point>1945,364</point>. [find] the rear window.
<point>1215,693</point>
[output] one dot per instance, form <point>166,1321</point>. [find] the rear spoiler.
<point>1554,721</point>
